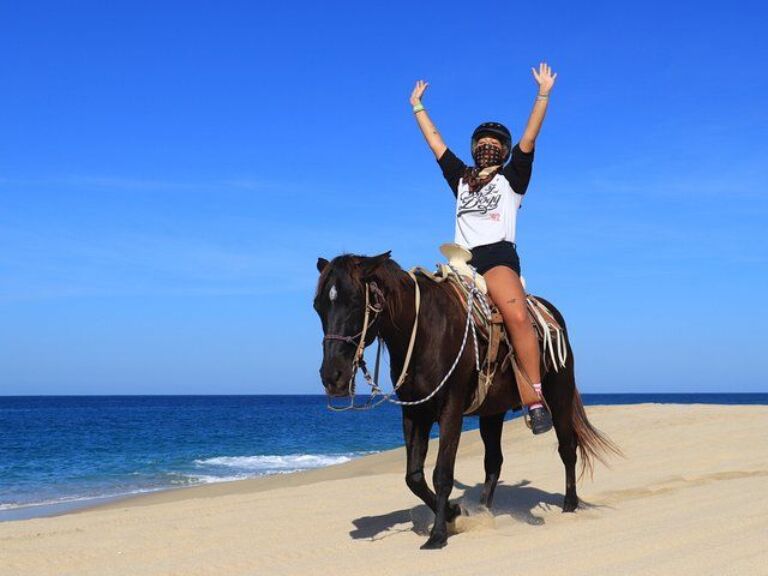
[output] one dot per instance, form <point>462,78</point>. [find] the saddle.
<point>490,328</point>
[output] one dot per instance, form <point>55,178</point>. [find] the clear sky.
<point>170,172</point>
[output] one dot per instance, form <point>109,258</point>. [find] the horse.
<point>342,300</point>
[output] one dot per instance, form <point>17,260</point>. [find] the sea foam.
<point>266,464</point>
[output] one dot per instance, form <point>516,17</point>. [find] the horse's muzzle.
<point>335,382</point>
<point>338,394</point>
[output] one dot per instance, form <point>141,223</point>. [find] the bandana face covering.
<point>489,159</point>
<point>488,155</point>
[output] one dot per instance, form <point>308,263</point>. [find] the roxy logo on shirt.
<point>482,201</point>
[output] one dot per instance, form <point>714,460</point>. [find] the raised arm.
<point>431,135</point>
<point>545,79</point>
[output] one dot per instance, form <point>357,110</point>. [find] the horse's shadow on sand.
<point>520,501</point>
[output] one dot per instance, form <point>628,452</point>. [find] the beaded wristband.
<point>418,108</point>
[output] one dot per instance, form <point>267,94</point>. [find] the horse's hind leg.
<point>490,431</point>
<point>416,428</point>
<point>558,390</point>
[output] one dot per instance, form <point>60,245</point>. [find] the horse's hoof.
<point>570,505</point>
<point>434,543</point>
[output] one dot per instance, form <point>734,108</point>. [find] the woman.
<point>488,196</point>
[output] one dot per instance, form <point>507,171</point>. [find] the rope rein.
<point>470,322</point>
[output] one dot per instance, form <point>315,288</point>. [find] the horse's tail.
<point>592,443</point>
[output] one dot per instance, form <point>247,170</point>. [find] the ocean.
<point>59,453</point>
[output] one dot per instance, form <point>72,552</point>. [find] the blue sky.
<point>170,172</point>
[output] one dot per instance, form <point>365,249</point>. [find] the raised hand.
<point>418,92</point>
<point>544,78</point>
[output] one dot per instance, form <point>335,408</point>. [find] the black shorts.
<point>497,254</point>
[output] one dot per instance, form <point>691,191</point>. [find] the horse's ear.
<point>321,264</point>
<point>370,264</point>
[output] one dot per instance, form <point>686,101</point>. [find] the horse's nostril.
<point>331,377</point>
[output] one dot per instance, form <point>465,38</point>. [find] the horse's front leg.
<point>416,428</point>
<point>450,433</point>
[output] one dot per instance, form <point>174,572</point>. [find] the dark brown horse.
<point>340,302</point>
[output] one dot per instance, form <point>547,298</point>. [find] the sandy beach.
<point>691,497</point>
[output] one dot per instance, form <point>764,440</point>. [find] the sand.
<point>691,497</point>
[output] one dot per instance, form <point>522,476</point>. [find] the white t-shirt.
<point>488,215</point>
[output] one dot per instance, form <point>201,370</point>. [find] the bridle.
<point>358,361</point>
<point>374,306</point>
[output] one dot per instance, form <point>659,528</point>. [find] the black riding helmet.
<point>496,130</point>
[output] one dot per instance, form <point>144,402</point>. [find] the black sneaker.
<point>541,421</point>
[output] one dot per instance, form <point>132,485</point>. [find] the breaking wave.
<point>272,464</point>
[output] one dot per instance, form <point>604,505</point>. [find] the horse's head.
<point>345,286</point>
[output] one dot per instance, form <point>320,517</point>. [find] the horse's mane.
<point>392,279</point>
<point>389,276</point>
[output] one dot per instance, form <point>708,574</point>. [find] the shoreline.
<point>259,483</point>
<point>371,466</point>
<point>255,484</point>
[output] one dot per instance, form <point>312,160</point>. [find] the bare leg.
<point>507,293</point>
<point>490,431</point>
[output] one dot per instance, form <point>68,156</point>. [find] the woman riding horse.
<point>488,196</point>
<point>361,298</point>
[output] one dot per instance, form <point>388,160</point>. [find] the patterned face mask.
<point>488,155</point>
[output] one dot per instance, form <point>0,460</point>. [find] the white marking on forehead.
<point>332,293</point>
